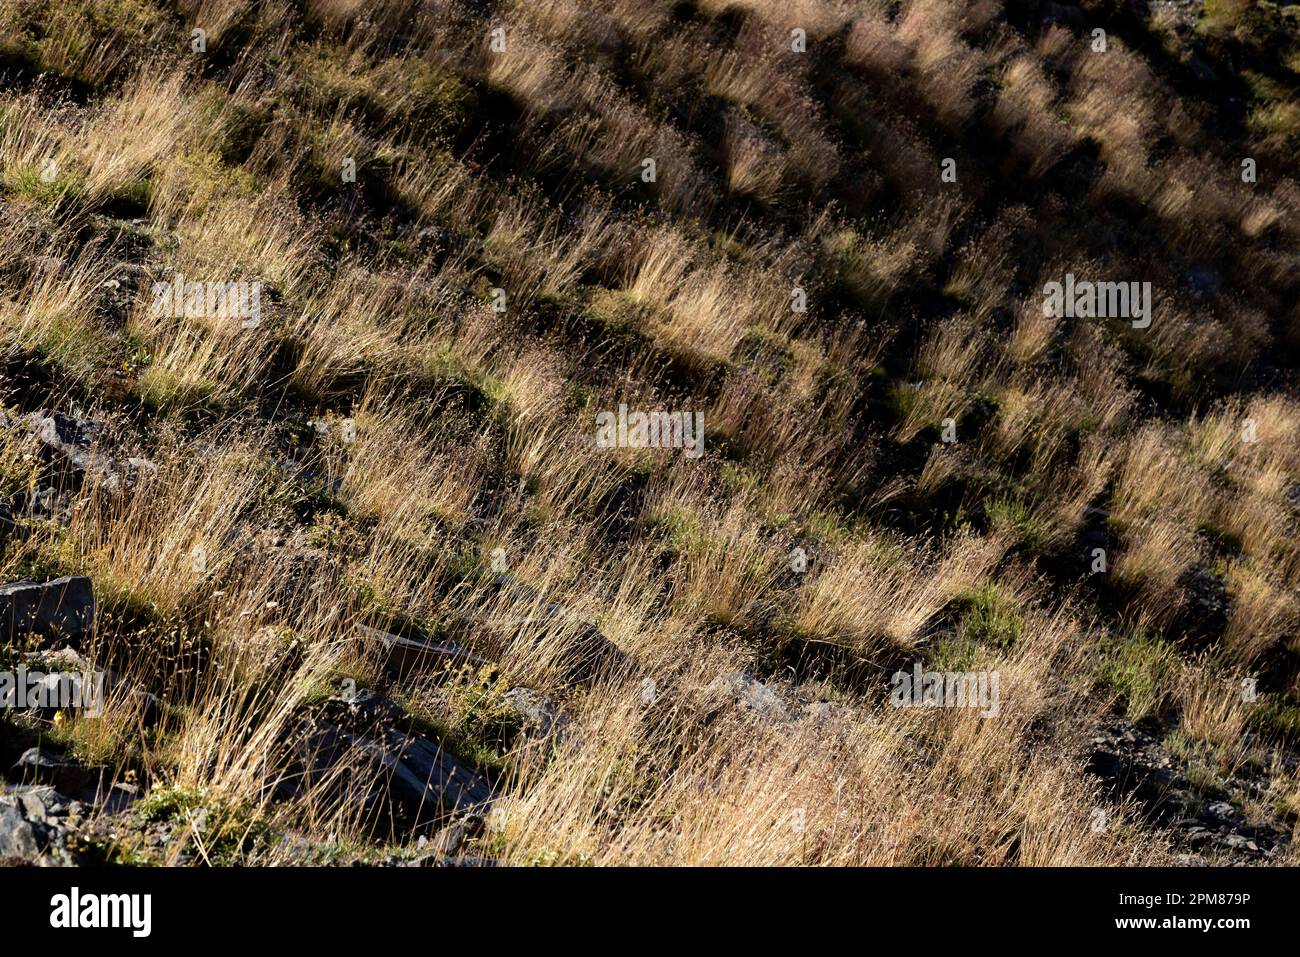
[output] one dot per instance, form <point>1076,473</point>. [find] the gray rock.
<point>1133,762</point>
<point>536,712</point>
<point>64,436</point>
<point>752,694</point>
<point>70,440</point>
<point>39,802</point>
<point>372,707</point>
<point>62,607</point>
<point>18,838</point>
<point>1238,842</point>
<point>434,860</point>
<point>437,858</point>
<point>62,773</point>
<point>404,655</point>
<point>450,839</point>
<point>403,781</point>
<point>1223,811</point>
<point>58,659</point>
<point>47,264</point>
<point>120,798</point>
<point>426,775</point>
<point>828,715</point>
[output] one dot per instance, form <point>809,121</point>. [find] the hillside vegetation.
<point>370,534</point>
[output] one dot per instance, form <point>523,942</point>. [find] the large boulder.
<point>362,752</point>
<point>32,820</point>
<point>64,607</point>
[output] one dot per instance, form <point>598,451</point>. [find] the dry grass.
<point>386,438</point>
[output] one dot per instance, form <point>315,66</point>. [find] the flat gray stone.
<point>402,780</point>
<point>64,607</point>
<point>59,772</point>
<point>404,655</point>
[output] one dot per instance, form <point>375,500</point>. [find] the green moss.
<point>427,98</point>
<point>162,390</point>
<point>333,532</point>
<point>484,399</point>
<point>903,399</point>
<point>75,31</point>
<point>736,478</point>
<point>242,125</point>
<point>1279,121</point>
<point>477,726</point>
<point>770,355</point>
<point>614,310</point>
<point>732,247</point>
<point>827,527</point>
<point>681,530</point>
<point>1198,765</point>
<point>208,177</point>
<point>410,94</point>
<point>68,345</point>
<point>1225,540</point>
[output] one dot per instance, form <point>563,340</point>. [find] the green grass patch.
<point>958,653</point>
<point>1275,718</point>
<point>991,617</point>
<point>50,187</point>
<point>1014,514</point>
<point>1135,667</point>
<point>215,828</point>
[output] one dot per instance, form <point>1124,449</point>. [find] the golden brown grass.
<point>385,439</point>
